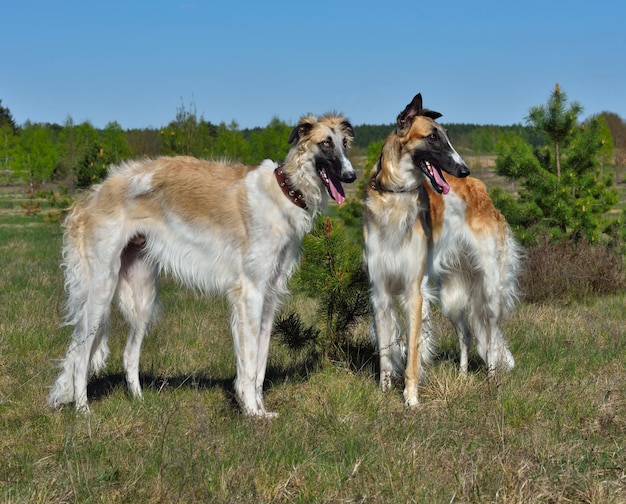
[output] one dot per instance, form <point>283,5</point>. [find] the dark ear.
<point>430,113</point>
<point>410,111</point>
<point>303,128</point>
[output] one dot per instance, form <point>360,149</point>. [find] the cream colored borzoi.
<point>219,228</point>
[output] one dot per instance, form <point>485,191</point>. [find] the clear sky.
<point>136,62</point>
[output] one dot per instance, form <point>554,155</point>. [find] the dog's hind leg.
<point>136,296</point>
<point>91,279</point>
<point>71,384</point>
<point>492,345</point>
<point>486,339</point>
<point>454,305</point>
<point>488,307</point>
<point>91,334</point>
<point>487,312</point>
<point>503,357</point>
<point>461,326</point>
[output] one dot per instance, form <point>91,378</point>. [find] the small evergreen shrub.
<point>332,273</point>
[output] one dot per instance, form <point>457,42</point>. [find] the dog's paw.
<point>83,409</point>
<point>410,400</point>
<point>261,415</point>
<point>386,381</point>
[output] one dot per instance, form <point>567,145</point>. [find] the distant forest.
<point>79,154</point>
<point>468,139</point>
<point>474,138</point>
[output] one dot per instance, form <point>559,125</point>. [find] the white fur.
<point>132,226</point>
<point>476,272</point>
<point>395,255</point>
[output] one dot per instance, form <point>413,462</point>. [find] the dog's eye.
<point>433,136</point>
<point>326,143</point>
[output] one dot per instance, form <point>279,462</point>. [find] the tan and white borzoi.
<point>396,240</point>
<point>217,227</point>
<point>472,266</point>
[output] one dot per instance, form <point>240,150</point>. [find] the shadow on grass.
<point>105,385</point>
<point>361,358</point>
<point>453,356</point>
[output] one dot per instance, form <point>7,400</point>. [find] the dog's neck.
<point>294,195</point>
<point>378,187</point>
<point>376,184</point>
<point>391,160</point>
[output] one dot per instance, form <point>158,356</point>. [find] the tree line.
<point>78,155</point>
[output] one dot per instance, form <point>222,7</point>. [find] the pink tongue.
<point>336,195</point>
<point>439,179</point>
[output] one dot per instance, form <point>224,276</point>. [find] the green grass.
<point>553,430</point>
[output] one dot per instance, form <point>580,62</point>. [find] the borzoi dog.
<point>396,241</point>
<point>217,227</point>
<point>474,264</point>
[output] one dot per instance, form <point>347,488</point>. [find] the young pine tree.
<point>332,273</point>
<point>564,192</point>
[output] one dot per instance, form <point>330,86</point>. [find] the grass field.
<point>553,430</point>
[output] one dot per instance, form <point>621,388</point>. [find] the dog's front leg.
<point>247,303</point>
<point>412,371</point>
<point>385,333</point>
<point>267,321</point>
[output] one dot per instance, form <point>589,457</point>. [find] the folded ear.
<point>348,130</point>
<point>410,111</point>
<point>302,129</point>
<point>430,113</point>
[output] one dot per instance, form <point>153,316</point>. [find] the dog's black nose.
<point>349,177</point>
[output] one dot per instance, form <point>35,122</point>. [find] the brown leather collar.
<point>294,195</point>
<point>377,186</point>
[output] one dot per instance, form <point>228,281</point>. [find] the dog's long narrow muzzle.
<point>461,167</point>
<point>464,171</point>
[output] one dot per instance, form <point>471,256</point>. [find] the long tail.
<point>510,270</point>
<point>77,271</point>
<point>75,261</point>
<point>78,276</point>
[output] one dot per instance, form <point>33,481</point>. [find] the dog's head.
<point>326,140</point>
<point>426,144</point>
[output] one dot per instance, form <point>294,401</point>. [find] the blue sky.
<point>135,62</point>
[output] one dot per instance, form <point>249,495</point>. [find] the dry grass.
<point>571,271</point>
<point>553,430</point>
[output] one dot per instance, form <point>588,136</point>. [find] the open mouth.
<point>333,185</point>
<point>436,177</point>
